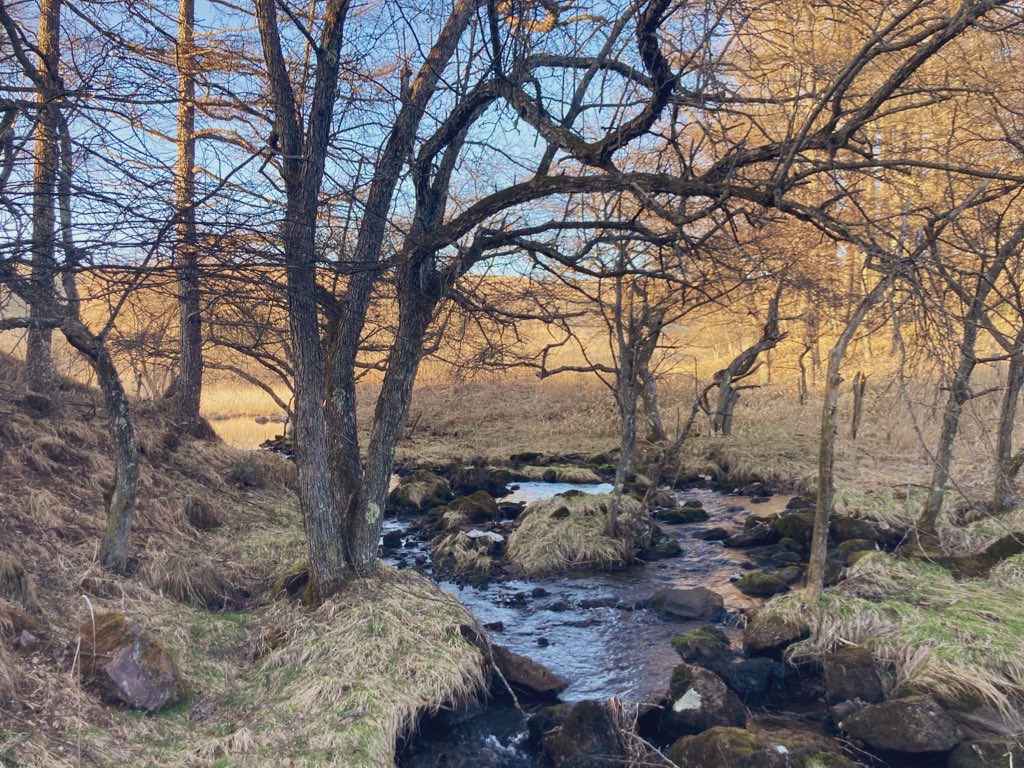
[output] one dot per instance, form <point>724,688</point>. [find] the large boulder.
<point>525,676</point>
<point>420,491</point>
<point>769,634</point>
<point>127,665</point>
<point>590,736</point>
<point>736,748</point>
<point>851,675</point>
<point>757,535</point>
<point>698,700</point>
<point>914,724</point>
<point>797,525</point>
<point>707,646</point>
<point>472,479</point>
<point>987,753</point>
<point>698,603</point>
<point>681,515</point>
<point>662,546</point>
<point>664,499</point>
<point>980,564</point>
<point>847,528</point>
<point>761,585</point>
<point>545,720</point>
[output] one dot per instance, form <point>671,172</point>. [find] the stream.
<point>593,629</point>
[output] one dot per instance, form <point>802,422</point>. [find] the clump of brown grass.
<point>561,473</point>
<point>362,668</point>
<point>569,532</point>
<point>16,583</point>
<point>462,554</point>
<point>194,580</point>
<point>8,681</point>
<point>961,640</point>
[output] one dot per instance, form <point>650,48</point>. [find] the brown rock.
<point>525,675</point>
<point>126,665</point>
<point>913,724</point>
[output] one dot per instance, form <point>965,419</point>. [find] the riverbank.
<point>236,675</point>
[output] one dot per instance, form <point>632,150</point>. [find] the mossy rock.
<point>476,508</point>
<point>419,492</point>
<point>699,700</point>
<point>987,753</point>
<point>981,564</point>
<point>845,552</point>
<point>914,724</point>
<point>662,547</point>
<point>682,515</point>
<point>737,748</point>
<point>127,665</point>
<point>796,525</point>
<point>713,534</point>
<point>707,646</point>
<point>769,635</point>
<point>761,585</point>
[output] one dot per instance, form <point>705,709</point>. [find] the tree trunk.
<point>113,553</point>
<point>652,411</point>
<point>959,393</point>
<point>827,442</point>
<point>320,514</point>
<point>363,528</point>
<point>627,397</point>
<point>1007,466</point>
<point>39,354</point>
<point>188,389</point>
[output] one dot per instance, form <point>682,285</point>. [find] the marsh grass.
<point>963,641</point>
<point>572,532</point>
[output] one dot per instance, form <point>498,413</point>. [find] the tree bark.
<point>303,160</point>
<point>114,548</point>
<point>652,411</point>
<point>188,388</point>
<point>39,352</point>
<point>827,441</point>
<point>1007,465</point>
<point>416,303</point>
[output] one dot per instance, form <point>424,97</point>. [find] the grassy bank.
<point>963,641</point>
<point>270,682</point>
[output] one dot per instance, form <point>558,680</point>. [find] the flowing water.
<point>593,628</point>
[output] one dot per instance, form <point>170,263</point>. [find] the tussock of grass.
<point>961,640</point>
<point>548,540</point>
<point>15,582</point>
<point>564,473</point>
<point>361,669</point>
<point>193,580</point>
<point>462,554</point>
<point>7,678</point>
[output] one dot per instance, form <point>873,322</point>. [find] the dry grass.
<point>348,679</point>
<point>462,554</point>
<point>362,668</point>
<point>564,533</point>
<point>563,473</point>
<point>961,640</point>
<point>16,584</point>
